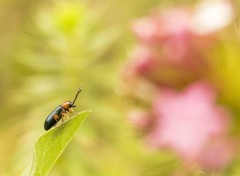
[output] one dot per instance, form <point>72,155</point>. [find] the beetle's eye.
<point>70,105</point>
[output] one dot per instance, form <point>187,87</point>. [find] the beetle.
<point>59,112</point>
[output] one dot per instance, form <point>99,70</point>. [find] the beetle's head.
<point>68,105</point>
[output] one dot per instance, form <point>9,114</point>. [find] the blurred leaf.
<point>50,145</point>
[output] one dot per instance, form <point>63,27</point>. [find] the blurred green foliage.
<point>47,49</point>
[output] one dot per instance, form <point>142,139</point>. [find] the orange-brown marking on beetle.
<point>56,117</point>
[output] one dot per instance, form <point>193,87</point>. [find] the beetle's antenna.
<point>78,91</point>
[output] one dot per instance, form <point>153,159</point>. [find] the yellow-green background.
<point>49,48</point>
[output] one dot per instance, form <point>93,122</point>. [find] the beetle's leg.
<point>63,113</point>
<point>71,110</point>
<point>56,117</point>
<point>67,117</point>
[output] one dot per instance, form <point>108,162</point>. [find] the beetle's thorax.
<point>67,104</point>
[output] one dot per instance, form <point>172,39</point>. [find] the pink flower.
<point>188,121</point>
<point>146,63</point>
<point>216,155</point>
<point>139,119</point>
<point>168,53</point>
<point>168,30</point>
<point>173,51</point>
<point>182,34</point>
<point>157,28</point>
<point>143,60</point>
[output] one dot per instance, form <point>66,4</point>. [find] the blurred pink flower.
<point>187,121</point>
<point>216,155</point>
<point>142,63</point>
<point>146,63</point>
<point>157,28</point>
<point>172,53</point>
<point>181,34</point>
<point>171,49</point>
<point>140,119</point>
<point>169,30</point>
<point>143,60</point>
<point>168,53</point>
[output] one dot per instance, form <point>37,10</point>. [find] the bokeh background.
<point>161,78</point>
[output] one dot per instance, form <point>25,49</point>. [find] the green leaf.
<point>50,145</point>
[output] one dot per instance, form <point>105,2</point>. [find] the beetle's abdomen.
<point>53,117</point>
